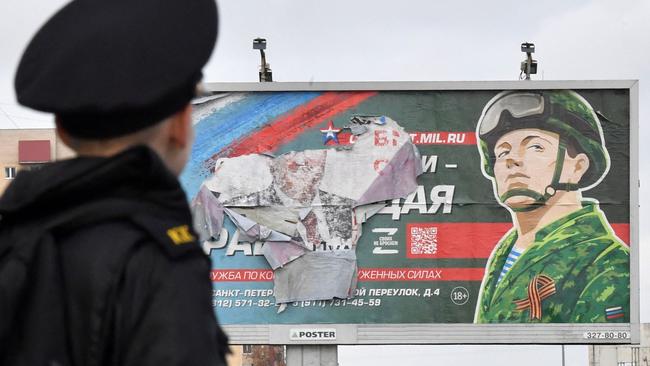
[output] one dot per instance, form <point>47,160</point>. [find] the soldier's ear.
<point>578,167</point>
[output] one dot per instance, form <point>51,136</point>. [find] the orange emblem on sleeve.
<point>180,235</point>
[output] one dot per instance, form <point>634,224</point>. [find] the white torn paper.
<point>308,206</point>
<point>207,214</point>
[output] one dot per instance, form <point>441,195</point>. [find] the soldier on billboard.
<point>561,262</point>
<point>99,264</point>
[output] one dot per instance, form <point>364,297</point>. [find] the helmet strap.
<point>551,189</point>
<point>539,198</point>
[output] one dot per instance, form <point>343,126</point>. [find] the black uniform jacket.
<point>136,291</point>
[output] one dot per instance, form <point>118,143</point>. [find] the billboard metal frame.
<point>463,333</point>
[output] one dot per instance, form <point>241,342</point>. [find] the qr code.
<point>424,240</point>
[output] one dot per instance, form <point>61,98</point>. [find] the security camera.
<point>528,66</point>
<point>259,44</point>
<point>528,47</point>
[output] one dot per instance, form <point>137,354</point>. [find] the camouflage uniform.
<point>588,265</point>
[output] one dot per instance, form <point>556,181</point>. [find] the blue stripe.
<point>226,125</point>
<point>510,261</point>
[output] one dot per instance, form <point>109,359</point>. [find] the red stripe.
<point>364,274</point>
<point>623,232</point>
<point>616,316</point>
<point>422,138</point>
<point>241,275</point>
<point>288,127</point>
<point>420,274</point>
<point>465,239</point>
<point>454,240</point>
<point>443,138</point>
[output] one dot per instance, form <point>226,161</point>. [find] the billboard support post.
<point>308,355</point>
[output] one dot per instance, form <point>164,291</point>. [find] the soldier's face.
<point>525,159</point>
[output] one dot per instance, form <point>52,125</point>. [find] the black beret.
<point>110,67</point>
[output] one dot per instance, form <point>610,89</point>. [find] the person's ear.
<point>579,166</point>
<point>180,128</point>
<point>62,133</point>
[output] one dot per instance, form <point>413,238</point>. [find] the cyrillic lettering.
<point>446,198</point>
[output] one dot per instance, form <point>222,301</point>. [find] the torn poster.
<point>307,207</point>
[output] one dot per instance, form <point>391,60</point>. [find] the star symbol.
<point>330,133</point>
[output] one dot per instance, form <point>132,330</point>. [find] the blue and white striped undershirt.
<point>512,258</point>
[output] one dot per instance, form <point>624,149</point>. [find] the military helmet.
<point>564,112</point>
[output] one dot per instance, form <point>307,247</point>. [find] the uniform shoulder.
<point>610,248</point>
<point>171,237</point>
<point>174,235</point>
<point>108,233</point>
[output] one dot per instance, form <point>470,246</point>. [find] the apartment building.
<point>28,149</point>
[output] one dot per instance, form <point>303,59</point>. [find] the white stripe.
<point>215,103</point>
<point>614,308</point>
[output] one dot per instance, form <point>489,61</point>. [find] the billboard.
<point>349,213</point>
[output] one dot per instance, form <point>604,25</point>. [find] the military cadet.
<point>127,274</point>
<point>561,262</point>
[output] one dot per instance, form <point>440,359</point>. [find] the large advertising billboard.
<point>419,212</point>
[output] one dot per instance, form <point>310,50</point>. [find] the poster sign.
<point>349,212</point>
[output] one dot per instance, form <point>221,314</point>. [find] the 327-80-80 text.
<point>606,335</point>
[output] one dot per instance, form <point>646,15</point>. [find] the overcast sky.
<point>409,40</point>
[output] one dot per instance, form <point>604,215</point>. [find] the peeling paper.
<point>361,215</point>
<point>251,231</point>
<point>207,214</point>
<point>317,276</point>
<point>280,219</point>
<point>308,206</point>
<point>280,253</point>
